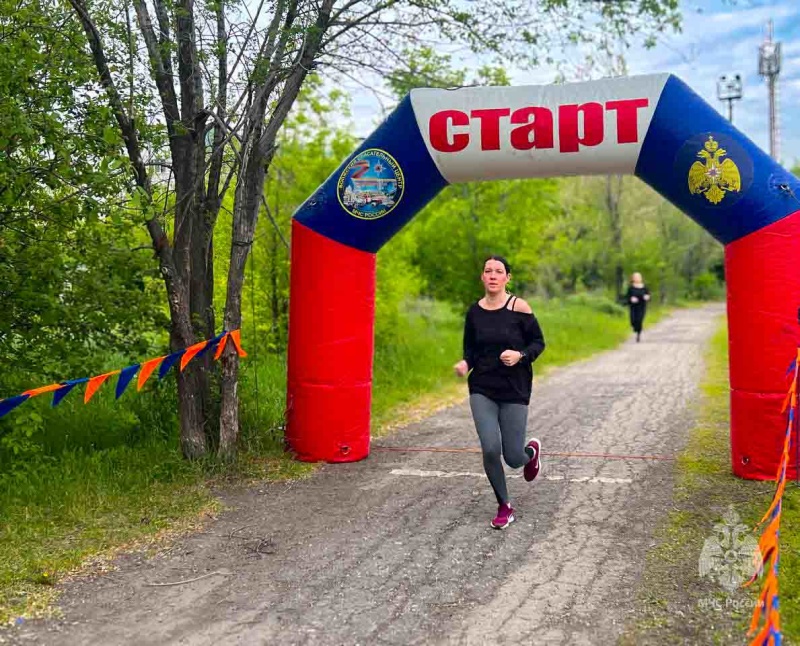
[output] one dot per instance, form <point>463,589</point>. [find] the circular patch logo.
<point>371,185</point>
<point>717,170</point>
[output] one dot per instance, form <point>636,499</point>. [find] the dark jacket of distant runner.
<point>639,308</point>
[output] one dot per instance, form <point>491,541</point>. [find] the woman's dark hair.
<point>499,259</point>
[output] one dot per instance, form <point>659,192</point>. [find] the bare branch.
<point>380,97</point>
<point>275,53</point>
<point>188,69</point>
<point>164,35</point>
<point>302,66</point>
<point>335,16</point>
<point>274,223</point>
<point>163,76</point>
<point>130,60</point>
<point>357,22</point>
<point>252,102</point>
<point>212,192</point>
<point>253,23</point>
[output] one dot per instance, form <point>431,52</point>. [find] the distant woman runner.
<point>502,338</point>
<point>636,299</point>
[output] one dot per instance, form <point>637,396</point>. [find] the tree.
<point>72,273</point>
<point>613,194</point>
<point>215,89</point>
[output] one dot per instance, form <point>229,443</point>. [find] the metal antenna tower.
<point>769,66</point>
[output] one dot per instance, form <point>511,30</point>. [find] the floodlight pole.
<point>729,89</point>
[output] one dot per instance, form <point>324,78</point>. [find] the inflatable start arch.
<point>652,126</point>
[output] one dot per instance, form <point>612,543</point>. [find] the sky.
<point>719,37</point>
<point>724,39</point>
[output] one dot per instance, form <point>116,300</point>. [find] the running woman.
<point>502,338</point>
<point>636,298</point>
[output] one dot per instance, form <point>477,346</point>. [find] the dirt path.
<point>397,549</point>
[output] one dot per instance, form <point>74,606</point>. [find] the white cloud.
<point>745,18</point>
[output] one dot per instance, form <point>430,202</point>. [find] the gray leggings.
<point>501,429</point>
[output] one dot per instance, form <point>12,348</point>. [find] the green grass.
<point>82,481</point>
<point>93,479</point>
<point>579,326</point>
<point>87,503</point>
<point>672,597</point>
<point>417,364</point>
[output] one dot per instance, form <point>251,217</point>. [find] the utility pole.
<point>730,90</point>
<point>769,66</point>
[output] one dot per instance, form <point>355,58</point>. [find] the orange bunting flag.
<point>768,593</point>
<point>146,370</point>
<point>786,401</point>
<point>95,383</point>
<point>221,346</point>
<point>191,352</point>
<point>238,343</point>
<point>42,390</point>
<point>769,545</point>
<point>775,502</point>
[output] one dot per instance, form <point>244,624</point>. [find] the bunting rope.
<point>126,375</point>
<point>768,605</point>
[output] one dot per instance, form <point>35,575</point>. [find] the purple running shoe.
<point>505,516</point>
<point>531,470</point>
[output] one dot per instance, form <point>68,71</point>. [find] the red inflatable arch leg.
<point>763,280</point>
<point>331,320</point>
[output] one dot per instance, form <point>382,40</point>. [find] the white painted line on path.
<point>422,473</point>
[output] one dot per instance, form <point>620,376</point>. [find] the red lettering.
<point>439,128</point>
<point>537,131</point>
<point>578,125</point>
<point>569,136</point>
<point>490,126</point>
<point>627,121</point>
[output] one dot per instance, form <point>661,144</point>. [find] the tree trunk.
<point>249,190</point>
<point>192,258</point>
<point>273,270</point>
<point>190,294</point>
<point>615,221</point>
<point>190,406</point>
<point>191,413</point>
<point>201,294</point>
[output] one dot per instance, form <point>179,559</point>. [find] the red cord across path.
<point>607,456</point>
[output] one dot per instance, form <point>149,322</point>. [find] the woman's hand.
<point>634,299</point>
<point>510,357</point>
<point>461,368</point>
<point>647,297</point>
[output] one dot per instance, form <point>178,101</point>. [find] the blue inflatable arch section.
<point>653,126</point>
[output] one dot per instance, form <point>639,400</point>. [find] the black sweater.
<point>638,292</point>
<point>487,333</point>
